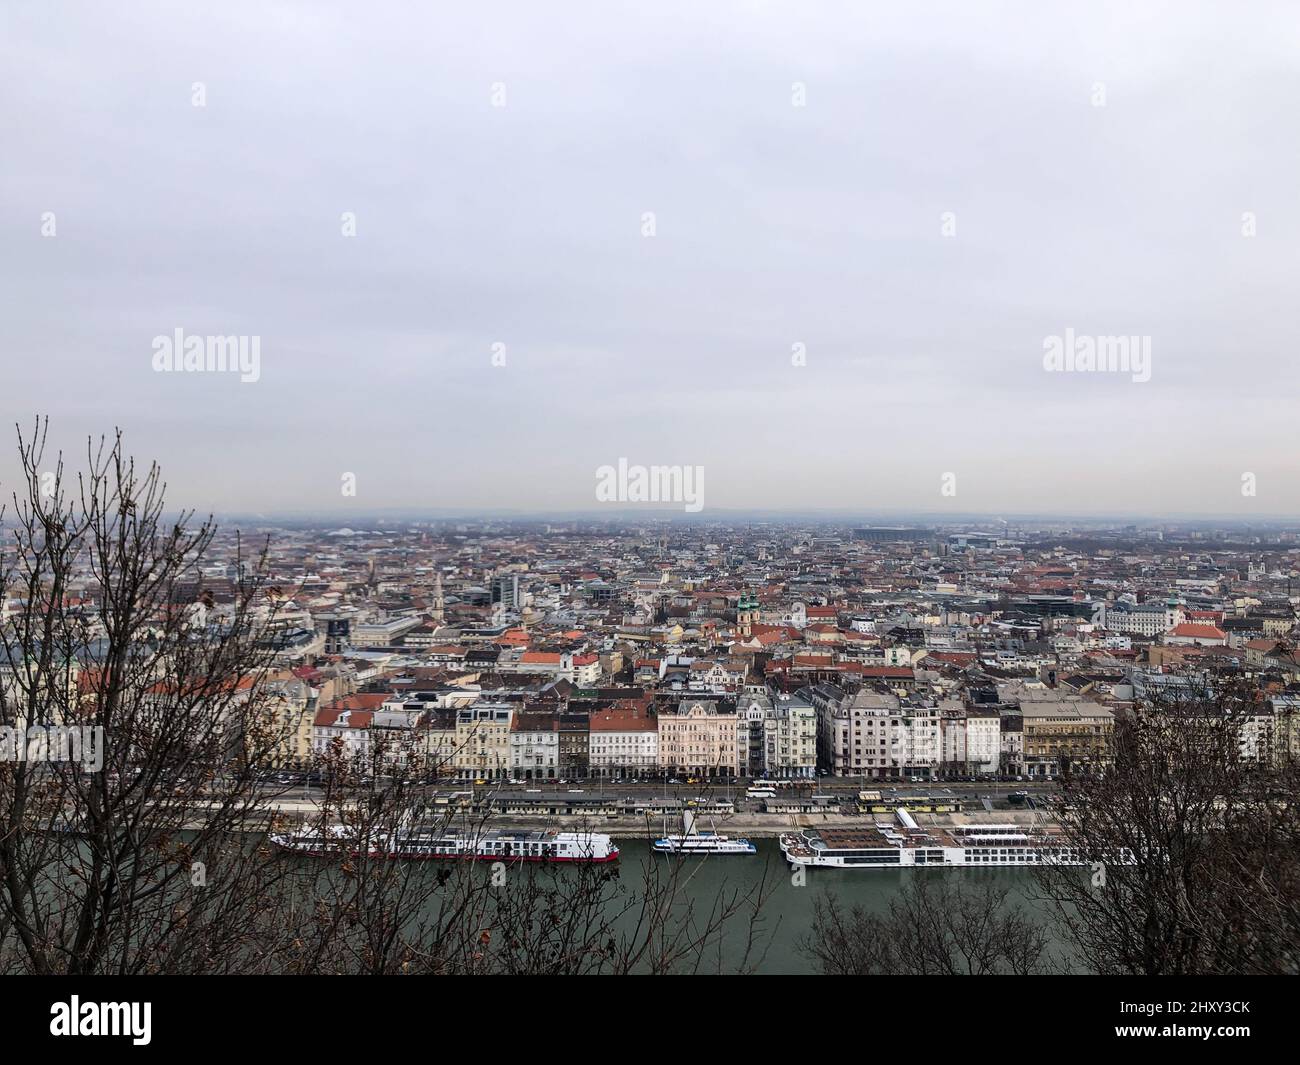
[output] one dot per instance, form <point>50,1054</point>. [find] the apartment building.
<point>952,739</point>
<point>342,732</point>
<point>701,738</point>
<point>483,741</point>
<point>343,727</point>
<point>437,726</point>
<point>753,713</point>
<point>280,734</point>
<point>534,746</point>
<point>575,745</point>
<point>874,734</point>
<point>983,741</point>
<point>1060,732</point>
<point>971,740</point>
<point>1286,728</point>
<point>624,742</point>
<point>582,670</point>
<point>790,739</point>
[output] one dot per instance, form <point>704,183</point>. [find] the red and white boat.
<point>500,845</point>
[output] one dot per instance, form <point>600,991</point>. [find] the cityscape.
<point>562,653</point>
<point>595,489</point>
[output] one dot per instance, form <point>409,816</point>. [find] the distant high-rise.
<point>505,590</point>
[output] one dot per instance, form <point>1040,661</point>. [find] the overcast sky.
<point>1096,161</point>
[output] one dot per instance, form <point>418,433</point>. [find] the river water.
<point>787,912</point>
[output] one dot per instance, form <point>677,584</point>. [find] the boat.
<point>703,843</point>
<point>889,846</point>
<point>692,842</point>
<point>541,845</point>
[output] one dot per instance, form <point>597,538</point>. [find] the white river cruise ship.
<point>906,845</point>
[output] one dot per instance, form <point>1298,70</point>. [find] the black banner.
<point>139,1014</point>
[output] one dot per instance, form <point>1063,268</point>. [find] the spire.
<point>438,604</point>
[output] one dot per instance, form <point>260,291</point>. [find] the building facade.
<point>534,746</point>
<point>483,741</point>
<point>701,739</point>
<point>624,742</point>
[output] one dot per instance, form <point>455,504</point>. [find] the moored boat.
<point>441,843</point>
<point>689,841</point>
<point>703,843</point>
<point>906,845</point>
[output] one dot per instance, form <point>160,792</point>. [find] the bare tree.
<point>113,870</point>
<point>157,860</point>
<point>936,925</point>
<point>1192,835</point>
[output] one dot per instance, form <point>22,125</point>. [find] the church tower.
<point>746,614</point>
<point>438,602</point>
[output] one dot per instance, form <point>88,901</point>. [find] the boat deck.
<point>888,837</point>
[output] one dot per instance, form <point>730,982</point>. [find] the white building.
<point>534,747</point>
<point>790,739</point>
<point>983,741</point>
<point>350,728</point>
<point>383,633</point>
<point>873,734</point>
<point>623,742</point>
<point>1142,619</point>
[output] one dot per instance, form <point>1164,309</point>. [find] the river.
<point>787,913</point>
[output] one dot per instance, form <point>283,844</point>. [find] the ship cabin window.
<point>871,857</point>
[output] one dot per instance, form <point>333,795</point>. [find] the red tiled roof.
<point>355,718</point>
<point>623,719</point>
<point>359,701</point>
<point>1199,632</point>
